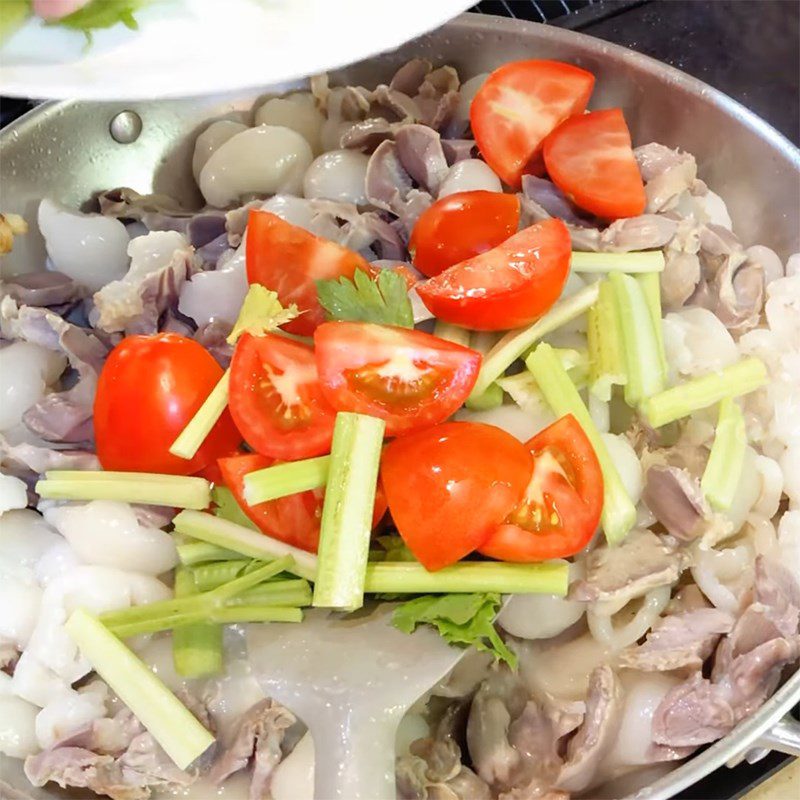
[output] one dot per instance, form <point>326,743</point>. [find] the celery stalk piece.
<point>651,288</point>
<point>192,553</point>
<point>285,479</point>
<point>346,524</point>
<point>128,487</point>
<point>606,351</point>
<point>194,434</point>
<point>726,461</point>
<point>743,377</point>
<point>209,576</point>
<point>517,342</point>
<point>196,649</point>
<point>644,261</point>
<point>294,592</point>
<point>406,577</point>
<point>619,513</point>
<point>171,724</point>
<point>453,333</point>
<point>214,530</point>
<point>491,398</point>
<point>642,357</point>
<point>257,614</point>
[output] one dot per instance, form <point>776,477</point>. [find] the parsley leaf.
<point>383,300</point>
<point>260,313</point>
<point>102,14</point>
<point>461,619</point>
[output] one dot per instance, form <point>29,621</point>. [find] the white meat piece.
<point>697,342</point>
<point>13,493</point>
<point>296,111</point>
<point>211,139</point>
<point>67,713</point>
<point>17,727</point>
<point>216,295</point>
<point>337,175</point>
<point>34,682</point>
<point>469,175</point>
<point>20,602</point>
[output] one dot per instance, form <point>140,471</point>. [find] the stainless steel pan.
<point>66,150</point>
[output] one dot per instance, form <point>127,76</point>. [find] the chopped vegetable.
<point>347,511</point>
<point>101,14</point>
<point>287,593</point>
<point>608,365</point>
<point>650,284</point>
<point>227,507</point>
<point>170,723</point>
<point>214,530</point>
<point>723,471</point>
<point>382,299</point>
<point>209,576</point>
<point>461,619</point>
<point>13,14</point>
<point>261,313</point>
<point>679,401</point>
<point>192,553</point>
<point>511,285</point>
<point>619,513</point>
<point>194,434</point>
<point>127,487</point>
<point>636,261</point>
<point>516,343</point>
<point>285,479</point>
<point>196,649</point>
<point>491,398</point>
<point>452,333</point>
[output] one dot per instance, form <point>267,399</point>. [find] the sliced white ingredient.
<point>789,541</point>
<point>13,493</point>
<point>467,92</point>
<point>294,210</point>
<point>17,727</point>
<point>57,561</point>
<point>36,683</point>
<point>715,209</point>
<point>697,342</point>
<point>24,539</point>
<point>211,139</point>
<point>66,714</point>
<point>627,463</point>
<point>20,602</point>
<point>293,778</point>
<point>769,259</point>
<point>412,727</point>
<point>747,492</point>
<point>793,265</point>
<point>296,111</point>
<point>469,175</point>
<point>539,616</point>
<point>523,424</point>
<point>263,160</point>
<point>337,175</point>
<point>90,248</point>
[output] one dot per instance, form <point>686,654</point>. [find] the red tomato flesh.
<point>276,400</point>
<point>563,502</point>
<point>518,105</point>
<point>460,226</point>
<point>289,260</point>
<point>591,160</point>
<point>449,487</point>
<point>509,286</point>
<point>409,378</point>
<point>149,390</point>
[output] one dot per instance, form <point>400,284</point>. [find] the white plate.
<point>190,47</point>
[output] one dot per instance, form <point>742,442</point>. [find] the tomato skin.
<point>568,479</point>
<point>518,105</point>
<point>276,400</point>
<point>409,378</point>
<point>289,260</point>
<point>148,391</point>
<point>507,287</point>
<point>294,519</point>
<point>460,226</point>
<point>449,487</point>
<point>590,158</point>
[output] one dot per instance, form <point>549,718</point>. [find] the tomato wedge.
<point>563,502</point>
<point>289,259</point>
<point>410,379</point>
<point>460,226</point>
<point>294,519</point>
<point>276,400</point>
<point>449,487</point>
<point>591,160</point>
<point>518,105</point>
<point>507,287</point>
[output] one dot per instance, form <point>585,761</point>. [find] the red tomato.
<point>288,260</point>
<point>591,160</point>
<point>276,400</point>
<point>149,389</point>
<point>294,519</point>
<point>449,487</point>
<point>563,502</point>
<point>411,379</point>
<point>460,226</point>
<point>508,287</point>
<point>517,107</point>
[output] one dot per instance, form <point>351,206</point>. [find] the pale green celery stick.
<point>651,288</point>
<point>404,577</point>
<point>484,341</point>
<point>275,593</point>
<point>170,723</point>
<point>642,358</point>
<point>191,553</point>
<point>453,333</point>
<point>254,613</point>
<point>285,479</point>
<point>231,536</point>
<point>726,460</point>
<point>606,351</point>
<point>643,261</point>
<point>524,391</point>
<point>517,342</point>
<point>194,434</point>
<point>128,487</point>
<point>346,524</point>
<point>491,398</point>
<point>679,401</point>
<point>196,649</point>
<point>209,576</point>
<point>619,513</point>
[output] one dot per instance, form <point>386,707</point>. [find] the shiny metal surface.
<point>64,150</point>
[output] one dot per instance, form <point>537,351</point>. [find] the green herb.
<point>102,14</point>
<point>261,313</point>
<point>383,300</point>
<point>13,14</point>
<point>461,619</point>
<point>723,471</point>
